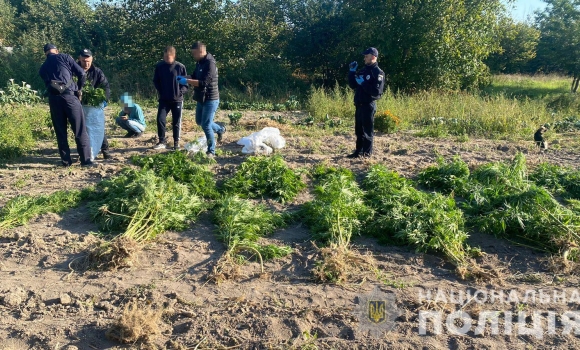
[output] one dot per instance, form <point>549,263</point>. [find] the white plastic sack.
<point>95,121</point>
<point>196,146</point>
<point>260,142</point>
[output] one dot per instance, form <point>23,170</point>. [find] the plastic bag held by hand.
<point>181,80</point>
<point>95,121</point>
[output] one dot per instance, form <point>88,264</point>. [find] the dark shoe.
<point>365,155</point>
<point>107,155</point>
<point>136,135</point>
<point>176,146</point>
<point>160,146</point>
<point>221,134</point>
<point>129,134</point>
<point>354,155</point>
<point>210,155</point>
<point>90,164</point>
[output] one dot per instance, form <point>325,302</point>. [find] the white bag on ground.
<point>196,146</point>
<point>260,141</point>
<point>95,122</point>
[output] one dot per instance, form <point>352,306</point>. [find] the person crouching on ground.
<point>131,118</point>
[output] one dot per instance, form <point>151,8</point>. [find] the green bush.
<point>557,179</point>
<point>22,127</point>
<point>260,176</point>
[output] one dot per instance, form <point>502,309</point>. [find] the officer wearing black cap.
<point>96,78</point>
<point>368,83</point>
<point>64,101</point>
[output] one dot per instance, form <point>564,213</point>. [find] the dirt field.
<point>47,302</point>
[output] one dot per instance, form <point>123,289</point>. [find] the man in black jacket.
<point>170,96</point>
<point>205,91</point>
<point>368,84</point>
<point>96,78</point>
<point>65,105</point>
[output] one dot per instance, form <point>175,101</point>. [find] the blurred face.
<point>370,59</point>
<point>199,53</point>
<point>126,108</point>
<point>169,57</point>
<point>86,62</point>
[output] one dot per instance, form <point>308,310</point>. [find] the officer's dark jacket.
<point>97,78</point>
<point>372,87</point>
<point>165,81</point>
<point>207,74</point>
<point>62,67</point>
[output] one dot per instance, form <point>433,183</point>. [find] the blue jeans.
<point>204,114</point>
<point>130,125</point>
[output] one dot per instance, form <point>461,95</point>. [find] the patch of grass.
<point>445,177</point>
<point>191,172</point>
<point>22,127</point>
<point>262,176</point>
<point>240,225</point>
<point>22,209</point>
<point>142,205</point>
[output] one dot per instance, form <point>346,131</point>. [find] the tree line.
<point>274,48</point>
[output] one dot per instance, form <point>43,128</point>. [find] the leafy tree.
<point>518,45</point>
<point>559,46</point>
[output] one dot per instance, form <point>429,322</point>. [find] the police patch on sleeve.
<point>380,77</point>
<point>368,77</point>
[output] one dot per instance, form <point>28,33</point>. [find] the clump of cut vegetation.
<point>120,252</point>
<point>446,177</point>
<point>138,323</point>
<point>559,180</point>
<point>190,172</point>
<point>259,177</point>
<point>240,225</point>
<point>21,209</point>
<point>141,205</point>
<point>427,221</point>
<point>336,214</point>
<point>502,201</point>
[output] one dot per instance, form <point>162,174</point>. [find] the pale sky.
<point>522,9</point>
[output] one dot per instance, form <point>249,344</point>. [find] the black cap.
<point>372,51</point>
<point>49,47</point>
<point>86,53</point>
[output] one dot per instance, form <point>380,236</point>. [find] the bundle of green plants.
<point>234,118</point>
<point>446,177</point>
<point>322,172</point>
<point>240,225</point>
<point>338,211</point>
<point>93,97</point>
<point>191,172</point>
<point>557,179</point>
<point>21,209</point>
<point>141,205</point>
<point>260,176</point>
<point>502,201</point>
<point>405,215</point>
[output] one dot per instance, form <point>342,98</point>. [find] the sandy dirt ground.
<point>48,302</point>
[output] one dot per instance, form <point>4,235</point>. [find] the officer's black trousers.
<point>175,109</point>
<point>67,108</point>
<point>363,127</point>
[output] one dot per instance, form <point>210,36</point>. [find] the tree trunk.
<point>575,83</point>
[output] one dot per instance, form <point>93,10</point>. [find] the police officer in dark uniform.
<point>368,83</point>
<point>65,105</point>
<point>96,78</point>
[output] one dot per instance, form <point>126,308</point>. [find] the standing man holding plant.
<point>205,91</point>
<point>65,105</point>
<point>96,78</point>
<point>369,84</point>
<point>170,96</point>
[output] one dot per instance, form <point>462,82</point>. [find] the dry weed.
<point>117,253</point>
<point>138,323</point>
<point>341,265</point>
